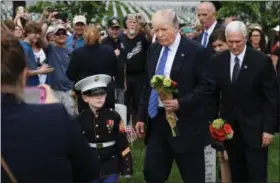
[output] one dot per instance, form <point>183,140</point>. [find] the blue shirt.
<point>73,43</point>
<point>59,59</point>
<point>31,64</point>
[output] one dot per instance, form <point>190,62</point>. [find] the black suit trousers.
<point>134,86</point>
<point>160,155</point>
<point>246,164</point>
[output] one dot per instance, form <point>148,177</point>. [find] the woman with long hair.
<point>256,39</point>
<point>40,58</point>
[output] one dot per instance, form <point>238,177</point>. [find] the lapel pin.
<point>245,67</point>
<point>182,55</point>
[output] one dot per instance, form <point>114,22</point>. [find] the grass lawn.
<point>138,152</point>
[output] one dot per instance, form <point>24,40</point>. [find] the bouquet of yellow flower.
<point>165,88</point>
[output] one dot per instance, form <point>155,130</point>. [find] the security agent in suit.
<point>104,130</point>
<point>206,13</point>
<point>246,79</point>
<point>184,61</point>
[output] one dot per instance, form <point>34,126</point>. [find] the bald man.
<point>184,61</point>
<point>206,13</point>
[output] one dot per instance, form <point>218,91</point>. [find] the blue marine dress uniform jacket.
<point>102,127</point>
<point>41,144</point>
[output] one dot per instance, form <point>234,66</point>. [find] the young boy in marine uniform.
<point>104,130</point>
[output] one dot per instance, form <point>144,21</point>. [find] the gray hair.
<point>170,14</point>
<point>210,6</point>
<point>236,26</point>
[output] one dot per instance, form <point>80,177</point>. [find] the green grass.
<point>138,153</point>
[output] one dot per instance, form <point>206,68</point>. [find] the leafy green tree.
<point>92,10</point>
<point>266,13</point>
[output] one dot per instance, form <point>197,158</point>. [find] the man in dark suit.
<point>184,61</point>
<point>246,79</point>
<point>206,13</point>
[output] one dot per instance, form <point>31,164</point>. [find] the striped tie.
<point>153,102</point>
<point>205,35</point>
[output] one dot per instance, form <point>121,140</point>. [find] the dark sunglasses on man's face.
<point>60,33</point>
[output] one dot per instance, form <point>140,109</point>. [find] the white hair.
<point>236,26</point>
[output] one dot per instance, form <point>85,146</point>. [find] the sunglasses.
<point>60,34</point>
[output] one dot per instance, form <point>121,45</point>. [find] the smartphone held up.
<point>34,95</point>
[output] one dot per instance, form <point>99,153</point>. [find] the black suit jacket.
<point>195,85</point>
<point>209,48</point>
<point>251,100</point>
<point>91,60</point>
<point>41,144</point>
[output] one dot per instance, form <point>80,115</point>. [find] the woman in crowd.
<point>256,39</point>
<point>218,40</point>
<point>94,58</point>
<point>40,58</point>
<point>39,142</point>
<point>19,32</point>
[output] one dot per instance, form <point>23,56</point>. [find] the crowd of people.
<point>222,69</point>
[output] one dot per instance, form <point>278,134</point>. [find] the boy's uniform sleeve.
<point>124,149</point>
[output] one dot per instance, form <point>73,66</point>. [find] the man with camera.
<point>58,55</point>
<point>135,44</point>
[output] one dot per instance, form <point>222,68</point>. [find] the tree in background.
<point>266,13</point>
<point>92,10</point>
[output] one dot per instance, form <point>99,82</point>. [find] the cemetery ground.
<point>138,153</point>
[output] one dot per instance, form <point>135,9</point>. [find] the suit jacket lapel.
<point>227,68</point>
<point>179,60</point>
<point>244,66</point>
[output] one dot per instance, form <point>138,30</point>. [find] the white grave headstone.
<point>122,110</point>
<point>210,164</point>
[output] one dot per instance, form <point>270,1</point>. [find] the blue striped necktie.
<point>153,102</point>
<point>204,43</point>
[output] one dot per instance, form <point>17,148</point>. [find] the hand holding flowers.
<point>165,88</point>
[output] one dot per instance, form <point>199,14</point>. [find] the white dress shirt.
<point>232,61</point>
<point>209,32</point>
<point>170,59</point>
